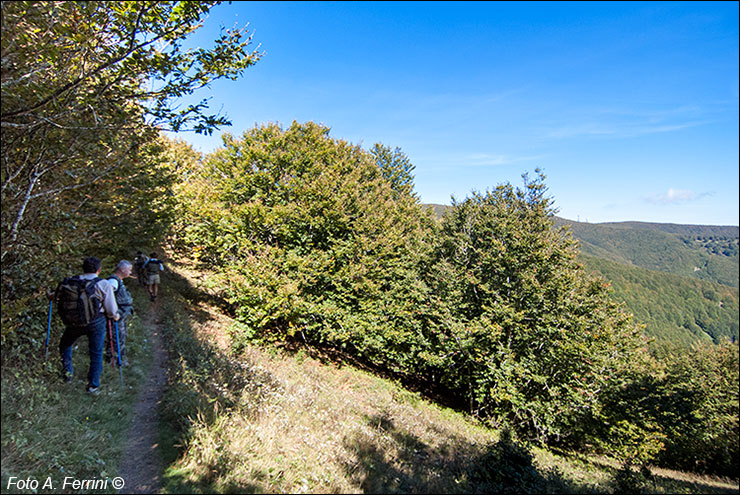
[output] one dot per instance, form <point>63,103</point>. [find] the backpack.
<point>152,266</point>
<point>76,301</point>
<point>123,296</point>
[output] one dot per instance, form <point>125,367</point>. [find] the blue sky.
<point>630,109</point>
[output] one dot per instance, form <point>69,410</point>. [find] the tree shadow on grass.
<point>626,479</point>
<point>392,460</point>
<point>666,484</point>
<point>204,384</point>
<point>179,482</point>
<point>388,459</point>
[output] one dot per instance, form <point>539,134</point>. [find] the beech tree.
<point>395,167</point>
<point>524,332</point>
<point>311,242</point>
<point>86,89</point>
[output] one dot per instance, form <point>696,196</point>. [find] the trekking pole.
<point>48,333</point>
<point>118,345</point>
<point>110,339</point>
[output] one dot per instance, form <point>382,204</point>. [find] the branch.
<point>91,73</point>
<point>105,172</point>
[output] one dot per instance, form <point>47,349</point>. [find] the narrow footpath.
<point>141,467</point>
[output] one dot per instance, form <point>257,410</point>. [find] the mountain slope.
<point>298,420</point>
<point>701,252</point>
<point>680,309</point>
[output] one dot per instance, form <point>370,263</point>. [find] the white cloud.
<point>676,196</point>
<point>614,122</point>
<point>580,130</point>
<point>486,159</point>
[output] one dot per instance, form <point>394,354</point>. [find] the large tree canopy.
<point>525,332</point>
<point>86,84</point>
<point>311,239</point>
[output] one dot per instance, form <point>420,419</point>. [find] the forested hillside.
<point>702,252</point>
<point>673,308</point>
<point>317,241</point>
<point>679,280</point>
<point>311,240</point>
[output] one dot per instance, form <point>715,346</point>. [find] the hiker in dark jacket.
<point>153,266</point>
<point>139,262</point>
<point>125,311</point>
<point>103,303</point>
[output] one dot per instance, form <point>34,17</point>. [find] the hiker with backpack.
<point>83,302</point>
<point>139,261</point>
<point>125,311</point>
<point>153,266</point>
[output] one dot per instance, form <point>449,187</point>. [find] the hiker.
<point>125,311</point>
<point>83,302</point>
<point>153,266</point>
<point>139,261</point>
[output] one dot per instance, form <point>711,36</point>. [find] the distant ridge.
<point>732,231</point>
<point>439,210</point>
<point>671,228</point>
<point>704,252</point>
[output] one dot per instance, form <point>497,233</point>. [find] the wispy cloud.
<point>503,95</point>
<point>626,122</point>
<point>619,129</point>
<point>640,130</point>
<point>494,160</point>
<point>676,196</point>
<point>580,130</point>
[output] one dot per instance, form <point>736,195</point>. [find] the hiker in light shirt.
<point>104,304</point>
<point>125,311</point>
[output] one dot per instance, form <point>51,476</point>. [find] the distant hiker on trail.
<point>125,311</point>
<point>153,266</point>
<point>139,261</point>
<point>83,301</point>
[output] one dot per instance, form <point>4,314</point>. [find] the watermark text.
<point>68,483</point>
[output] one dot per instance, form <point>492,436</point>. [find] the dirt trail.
<point>141,467</point>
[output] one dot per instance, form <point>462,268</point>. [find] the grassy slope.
<point>270,420</point>
<point>274,420</point>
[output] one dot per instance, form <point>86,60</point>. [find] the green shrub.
<point>701,409</point>
<point>680,411</point>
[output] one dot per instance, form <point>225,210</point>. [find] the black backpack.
<point>153,266</point>
<point>76,301</point>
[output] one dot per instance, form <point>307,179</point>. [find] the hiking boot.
<point>67,377</point>
<point>93,390</point>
